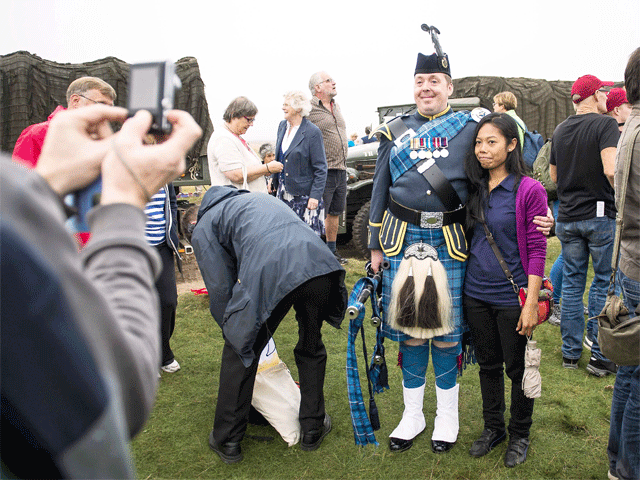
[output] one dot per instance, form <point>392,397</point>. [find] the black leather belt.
<point>426,219</point>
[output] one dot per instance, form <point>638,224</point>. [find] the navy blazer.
<point>305,163</point>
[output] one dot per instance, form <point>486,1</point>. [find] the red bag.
<point>545,300</point>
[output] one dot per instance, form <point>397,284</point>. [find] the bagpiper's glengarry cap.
<point>433,64</point>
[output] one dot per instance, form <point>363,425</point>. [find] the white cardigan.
<point>226,152</point>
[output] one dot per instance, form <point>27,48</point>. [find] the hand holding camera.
<point>132,172</point>
<point>75,146</point>
<point>80,145</point>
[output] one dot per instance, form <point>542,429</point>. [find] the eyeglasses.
<point>249,119</point>
<point>94,101</point>
<point>328,80</point>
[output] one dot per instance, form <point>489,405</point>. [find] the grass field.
<point>568,437</point>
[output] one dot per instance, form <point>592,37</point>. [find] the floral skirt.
<point>298,203</point>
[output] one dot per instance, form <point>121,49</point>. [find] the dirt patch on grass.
<point>190,279</point>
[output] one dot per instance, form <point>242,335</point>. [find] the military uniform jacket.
<point>411,189</point>
<point>253,250</point>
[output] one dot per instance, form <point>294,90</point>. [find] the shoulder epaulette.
<point>382,130</point>
<point>392,129</point>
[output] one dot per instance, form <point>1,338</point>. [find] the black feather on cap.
<point>433,64</point>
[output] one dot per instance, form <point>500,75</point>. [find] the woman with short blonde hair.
<point>300,148</point>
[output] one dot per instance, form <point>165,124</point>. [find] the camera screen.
<point>145,85</point>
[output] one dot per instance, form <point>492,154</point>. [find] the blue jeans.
<point>624,433</point>
<point>579,240</point>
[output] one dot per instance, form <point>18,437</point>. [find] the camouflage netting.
<point>31,88</point>
<point>542,104</point>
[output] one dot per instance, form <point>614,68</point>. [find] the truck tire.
<point>360,230</point>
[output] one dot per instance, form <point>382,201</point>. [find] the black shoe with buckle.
<point>397,445</point>
<point>229,452</point>
<point>313,438</point>
<point>440,446</point>
<point>489,438</point>
<point>516,451</point>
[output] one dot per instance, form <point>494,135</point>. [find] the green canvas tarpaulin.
<point>542,104</point>
<point>31,88</point>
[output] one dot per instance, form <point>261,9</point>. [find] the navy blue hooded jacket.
<point>252,251</point>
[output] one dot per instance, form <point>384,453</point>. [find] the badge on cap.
<point>478,113</point>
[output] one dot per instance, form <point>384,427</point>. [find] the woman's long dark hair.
<point>479,177</point>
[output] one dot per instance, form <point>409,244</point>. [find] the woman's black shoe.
<point>440,446</point>
<point>516,451</point>
<point>489,438</point>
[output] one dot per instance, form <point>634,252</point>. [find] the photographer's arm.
<point>118,264</point>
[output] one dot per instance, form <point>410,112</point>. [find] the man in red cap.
<point>582,164</point>
<point>618,106</point>
<point>82,92</point>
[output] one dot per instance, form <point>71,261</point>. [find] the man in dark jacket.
<point>258,259</point>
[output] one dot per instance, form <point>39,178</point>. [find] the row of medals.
<point>422,148</point>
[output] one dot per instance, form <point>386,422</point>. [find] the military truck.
<point>361,164</point>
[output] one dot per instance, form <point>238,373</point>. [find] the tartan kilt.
<point>455,277</point>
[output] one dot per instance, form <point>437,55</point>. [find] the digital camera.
<point>153,87</point>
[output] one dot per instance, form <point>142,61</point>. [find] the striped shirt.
<point>334,132</point>
<point>155,231</point>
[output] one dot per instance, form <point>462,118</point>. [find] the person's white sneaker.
<point>172,367</point>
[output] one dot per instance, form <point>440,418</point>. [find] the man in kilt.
<point>418,198</point>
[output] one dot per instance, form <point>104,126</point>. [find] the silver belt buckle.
<point>431,219</point>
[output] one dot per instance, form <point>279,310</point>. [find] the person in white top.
<point>231,159</point>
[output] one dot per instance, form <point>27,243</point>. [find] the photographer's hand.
<point>75,146</point>
<point>133,172</point>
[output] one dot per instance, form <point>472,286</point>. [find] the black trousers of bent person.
<point>496,343</point>
<point>309,300</point>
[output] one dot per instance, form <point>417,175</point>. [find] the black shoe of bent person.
<point>312,439</point>
<point>229,452</point>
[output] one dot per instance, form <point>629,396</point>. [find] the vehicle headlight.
<point>352,175</point>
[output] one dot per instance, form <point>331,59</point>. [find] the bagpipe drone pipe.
<point>367,288</point>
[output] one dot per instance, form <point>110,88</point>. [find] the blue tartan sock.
<point>332,246</point>
<point>445,365</point>
<point>414,364</point>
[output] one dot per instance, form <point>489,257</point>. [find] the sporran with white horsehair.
<point>420,298</point>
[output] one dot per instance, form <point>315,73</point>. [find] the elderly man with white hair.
<point>326,115</point>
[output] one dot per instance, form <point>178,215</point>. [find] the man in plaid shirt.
<point>326,115</point>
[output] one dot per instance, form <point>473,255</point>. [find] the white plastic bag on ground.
<point>276,396</point>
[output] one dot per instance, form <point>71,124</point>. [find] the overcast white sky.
<point>262,49</point>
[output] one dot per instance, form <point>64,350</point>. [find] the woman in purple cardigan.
<point>507,200</point>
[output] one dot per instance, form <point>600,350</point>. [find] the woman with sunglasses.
<point>231,160</point>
